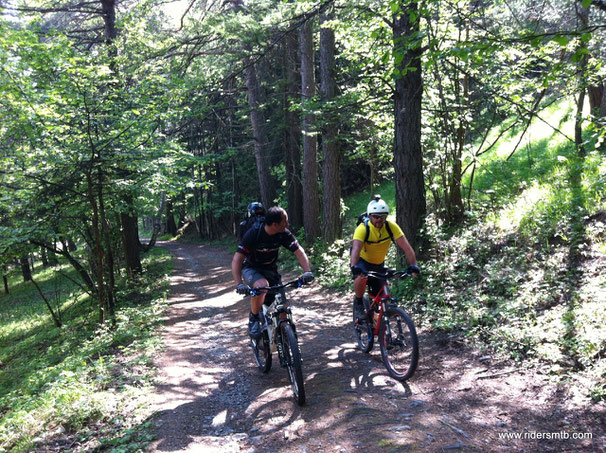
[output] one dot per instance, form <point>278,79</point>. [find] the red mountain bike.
<point>395,330</point>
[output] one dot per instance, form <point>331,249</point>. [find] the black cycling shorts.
<point>374,284</point>
<point>250,275</point>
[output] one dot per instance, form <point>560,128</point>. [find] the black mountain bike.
<point>278,332</point>
<point>395,330</point>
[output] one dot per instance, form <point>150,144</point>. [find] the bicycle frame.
<point>273,319</point>
<point>379,300</point>
<point>276,313</point>
<point>377,306</point>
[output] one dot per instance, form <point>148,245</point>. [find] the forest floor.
<point>212,397</point>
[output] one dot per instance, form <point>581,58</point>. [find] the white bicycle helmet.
<point>377,206</point>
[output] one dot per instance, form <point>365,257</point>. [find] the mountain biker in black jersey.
<point>256,257</point>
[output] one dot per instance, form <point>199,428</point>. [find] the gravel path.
<point>211,396</point>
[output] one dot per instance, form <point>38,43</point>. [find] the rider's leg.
<point>254,279</point>
<point>359,289</point>
<point>360,286</point>
<point>256,302</point>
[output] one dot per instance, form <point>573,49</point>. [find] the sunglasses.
<point>378,217</point>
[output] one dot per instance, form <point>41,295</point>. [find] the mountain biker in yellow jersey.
<point>256,257</point>
<point>370,248</point>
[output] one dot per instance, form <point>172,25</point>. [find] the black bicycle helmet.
<point>255,209</point>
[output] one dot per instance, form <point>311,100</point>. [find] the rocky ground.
<point>211,396</point>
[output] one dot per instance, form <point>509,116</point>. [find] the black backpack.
<point>247,224</point>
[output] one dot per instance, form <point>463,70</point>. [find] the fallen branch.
<point>489,376</point>
<point>454,428</point>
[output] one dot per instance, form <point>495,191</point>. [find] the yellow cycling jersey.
<point>375,250</point>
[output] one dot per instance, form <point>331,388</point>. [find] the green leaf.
<point>586,3</point>
<point>398,57</point>
<point>561,40</point>
<point>536,42</point>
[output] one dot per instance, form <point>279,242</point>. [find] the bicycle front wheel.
<point>399,344</point>
<point>262,351</point>
<point>292,360</point>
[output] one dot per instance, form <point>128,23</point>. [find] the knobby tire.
<point>292,357</point>
<point>399,344</point>
<point>262,351</point>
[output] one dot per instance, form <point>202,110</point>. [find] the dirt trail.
<point>211,396</point>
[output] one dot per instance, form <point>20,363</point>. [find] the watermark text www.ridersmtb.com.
<point>537,435</point>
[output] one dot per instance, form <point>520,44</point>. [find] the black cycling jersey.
<point>261,249</point>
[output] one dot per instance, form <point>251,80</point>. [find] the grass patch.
<point>82,384</point>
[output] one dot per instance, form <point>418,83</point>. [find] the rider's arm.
<point>407,248</point>
<point>356,248</point>
<point>303,260</point>
<point>236,267</point>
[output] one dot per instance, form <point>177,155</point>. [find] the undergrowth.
<point>524,276</point>
<point>82,386</point>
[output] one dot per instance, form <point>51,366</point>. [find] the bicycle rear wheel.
<point>399,344</point>
<point>363,330</point>
<point>292,360</point>
<point>262,351</point>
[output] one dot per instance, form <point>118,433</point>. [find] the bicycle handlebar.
<point>389,273</point>
<point>272,289</point>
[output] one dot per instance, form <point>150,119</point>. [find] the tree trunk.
<point>408,158</point>
<point>109,18</point>
<point>602,114</point>
<point>98,247</point>
<point>455,206</point>
<point>292,132</point>
<point>71,245</point>
<point>5,277</point>
<point>595,94</point>
<point>171,226</point>
<point>257,120</point>
<point>109,256</point>
<point>25,269</point>
<point>130,241</point>
<point>583,15</point>
<point>331,175</point>
<point>597,105</point>
<point>311,202</point>
<point>43,257</point>
<point>51,254</point>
